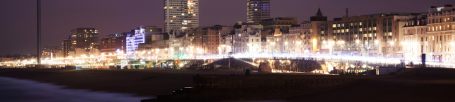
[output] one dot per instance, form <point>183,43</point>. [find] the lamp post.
<point>375,43</point>
<point>341,55</point>
<point>331,44</point>
<point>451,55</point>
<point>357,44</point>
<point>404,54</point>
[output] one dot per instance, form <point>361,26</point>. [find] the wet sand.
<point>137,82</point>
<point>20,90</point>
<point>149,83</point>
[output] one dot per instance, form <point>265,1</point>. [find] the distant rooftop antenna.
<point>347,12</point>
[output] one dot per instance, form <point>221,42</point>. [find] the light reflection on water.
<point>18,90</point>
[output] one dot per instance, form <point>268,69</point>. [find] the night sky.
<point>18,17</point>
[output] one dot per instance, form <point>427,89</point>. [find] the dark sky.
<point>18,17</point>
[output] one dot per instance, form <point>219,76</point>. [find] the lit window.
<point>334,25</point>
<point>360,23</point>
<point>360,29</point>
<point>174,17</point>
<point>374,28</point>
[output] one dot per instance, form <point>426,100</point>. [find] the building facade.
<point>376,35</point>
<point>67,47</point>
<point>113,43</point>
<point>139,36</point>
<point>247,40</point>
<point>284,23</point>
<point>431,34</point>
<point>258,10</point>
<point>84,37</point>
<point>50,52</point>
<point>312,32</point>
<point>80,38</point>
<point>181,14</point>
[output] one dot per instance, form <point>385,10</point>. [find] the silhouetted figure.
<point>247,72</point>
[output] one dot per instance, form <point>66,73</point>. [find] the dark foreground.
<point>148,83</point>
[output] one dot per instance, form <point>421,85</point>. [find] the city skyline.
<point>111,17</point>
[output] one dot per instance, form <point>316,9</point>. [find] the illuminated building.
<point>81,38</point>
<point>180,44</point>
<point>247,39</point>
<point>226,44</point>
<point>51,52</point>
<point>257,10</point>
<point>66,47</point>
<point>314,31</point>
<point>211,39</point>
<point>181,14</point>
<point>368,35</point>
<point>430,34</point>
<point>139,36</point>
<point>288,43</point>
<point>113,42</point>
<point>156,45</point>
<point>84,37</point>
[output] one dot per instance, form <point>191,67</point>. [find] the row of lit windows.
<point>352,24</point>
<point>447,19</point>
